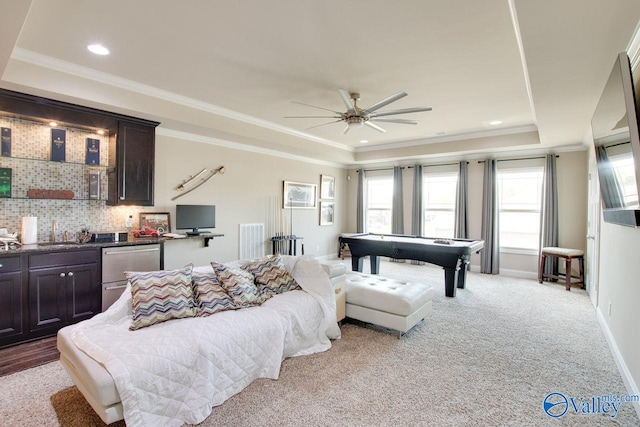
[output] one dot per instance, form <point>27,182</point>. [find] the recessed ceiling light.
<point>495,122</point>
<point>98,49</point>
<point>53,124</point>
<point>364,141</point>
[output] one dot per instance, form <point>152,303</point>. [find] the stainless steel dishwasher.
<point>117,260</point>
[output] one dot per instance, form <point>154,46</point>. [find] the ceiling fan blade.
<point>315,106</point>
<point>376,127</point>
<point>346,98</point>
<point>403,121</point>
<point>328,123</point>
<point>312,117</point>
<point>385,101</point>
<point>402,111</point>
<point>346,129</point>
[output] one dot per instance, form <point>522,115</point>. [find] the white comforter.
<point>177,371</point>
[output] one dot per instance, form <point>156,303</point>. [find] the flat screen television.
<point>195,217</point>
<point>617,145</point>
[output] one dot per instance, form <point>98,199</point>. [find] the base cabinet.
<point>11,299</point>
<point>64,288</point>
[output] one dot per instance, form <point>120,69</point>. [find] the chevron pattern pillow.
<point>271,276</point>
<point>239,285</point>
<point>159,296</point>
<point>209,295</point>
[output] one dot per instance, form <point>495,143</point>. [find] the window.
<point>379,203</point>
<point>520,197</point>
<point>439,202</point>
<point>626,176</point>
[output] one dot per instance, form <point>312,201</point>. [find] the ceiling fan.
<point>357,117</point>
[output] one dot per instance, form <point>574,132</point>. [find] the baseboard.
<point>629,383</point>
<point>522,274</point>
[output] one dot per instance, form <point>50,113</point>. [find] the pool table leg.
<point>462,273</point>
<point>454,276</point>
<point>375,264</point>
<point>450,282</point>
<point>356,263</point>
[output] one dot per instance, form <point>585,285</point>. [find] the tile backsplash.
<point>31,169</point>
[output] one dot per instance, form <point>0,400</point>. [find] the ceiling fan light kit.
<point>356,117</point>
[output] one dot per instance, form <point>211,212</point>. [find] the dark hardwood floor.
<point>29,355</point>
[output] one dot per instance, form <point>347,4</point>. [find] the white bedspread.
<point>177,371</point>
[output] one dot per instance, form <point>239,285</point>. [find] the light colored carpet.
<point>487,357</point>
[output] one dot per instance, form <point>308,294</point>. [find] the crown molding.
<point>171,133</point>
<point>448,138</point>
<point>633,50</point>
<point>66,67</point>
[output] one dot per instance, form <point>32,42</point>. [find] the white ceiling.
<point>227,72</point>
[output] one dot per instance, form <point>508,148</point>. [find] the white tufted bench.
<point>387,302</point>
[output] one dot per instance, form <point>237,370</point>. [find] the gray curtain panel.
<point>417,213</point>
<point>609,184</point>
<point>461,227</point>
<point>490,255</point>
<point>549,218</point>
<point>397,212</point>
<point>360,203</point>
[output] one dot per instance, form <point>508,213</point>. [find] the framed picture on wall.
<point>327,187</point>
<point>327,212</point>
<point>156,221</point>
<point>298,195</point>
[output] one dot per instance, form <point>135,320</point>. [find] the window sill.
<point>519,251</point>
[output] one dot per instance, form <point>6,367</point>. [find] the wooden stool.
<point>568,255</point>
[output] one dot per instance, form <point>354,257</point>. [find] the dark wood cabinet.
<point>64,288</point>
<point>11,299</point>
<point>131,178</point>
<point>47,299</point>
<point>131,141</point>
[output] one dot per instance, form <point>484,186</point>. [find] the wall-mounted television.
<point>195,218</point>
<point>615,126</point>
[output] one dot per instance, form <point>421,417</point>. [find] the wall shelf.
<point>206,236</point>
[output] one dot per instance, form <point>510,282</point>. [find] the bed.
<point>177,371</point>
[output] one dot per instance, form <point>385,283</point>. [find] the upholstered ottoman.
<point>387,302</point>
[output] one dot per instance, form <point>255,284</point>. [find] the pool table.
<point>452,256</point>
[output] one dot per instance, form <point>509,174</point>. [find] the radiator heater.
<point>251,241</point>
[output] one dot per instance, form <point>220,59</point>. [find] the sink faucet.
<point>54,228</point>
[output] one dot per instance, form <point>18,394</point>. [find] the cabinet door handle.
<point>70,273</point>
<point>123,194</point>
<point>62,275</point>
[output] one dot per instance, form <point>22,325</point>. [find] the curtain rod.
<point>411,167</point>
<point>380,169</point>
<point>514,160</point>
<point>440,164</point>
<point>616,144</point>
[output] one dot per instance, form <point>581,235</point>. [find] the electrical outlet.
<point>317,249</point>
<point>609,308</point>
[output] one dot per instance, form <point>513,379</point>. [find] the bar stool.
<point>568,255</point>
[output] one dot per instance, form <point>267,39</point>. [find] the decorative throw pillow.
<point>271,276</point>
<point>239,285</point>
<point>158,296</point>
<point>209,295</point>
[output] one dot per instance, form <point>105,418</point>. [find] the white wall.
<point>246,193</point>
<point>619,288</point>
<point>572,206</point>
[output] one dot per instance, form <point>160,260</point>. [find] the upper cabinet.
<point>131,146</point>
<point>131,178</point>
